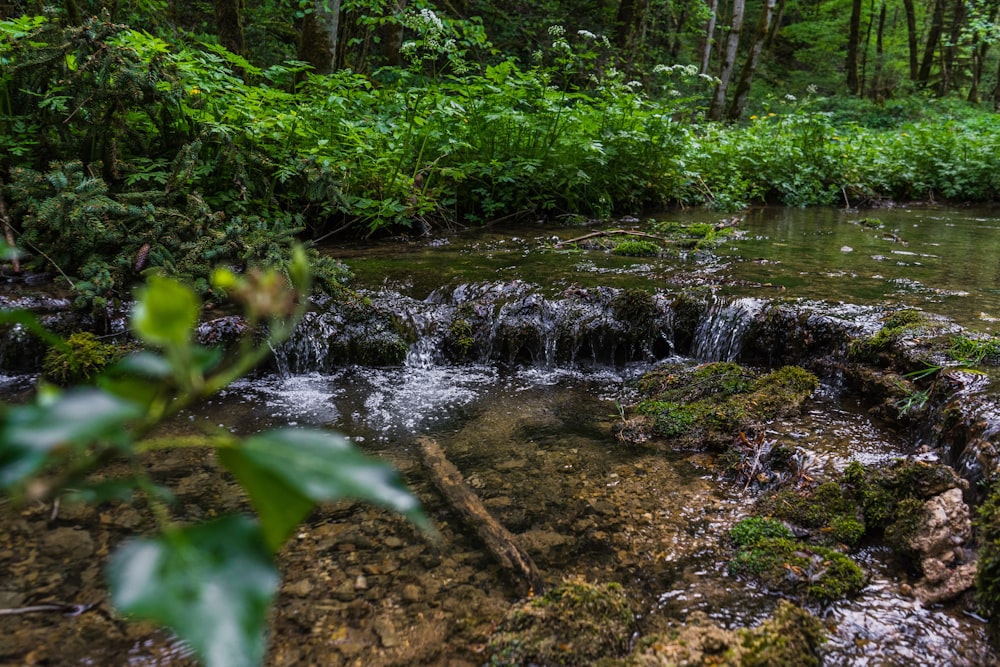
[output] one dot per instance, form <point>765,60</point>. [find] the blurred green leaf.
<point>147,364</point>
<point>315,465</point>
<point>279,504</point>
<point>212,584</point>
<point>78,417</point>
<point>165,313</point>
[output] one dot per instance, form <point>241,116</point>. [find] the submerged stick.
<point>500,541</point>
<point>609,232</point>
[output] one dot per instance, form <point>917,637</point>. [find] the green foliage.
<point>975,351</point>
<point>896,325</point>
<point>212,584</point>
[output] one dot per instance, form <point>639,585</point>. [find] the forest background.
<point>177,136</point>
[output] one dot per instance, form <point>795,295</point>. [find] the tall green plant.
<point>211,583</point>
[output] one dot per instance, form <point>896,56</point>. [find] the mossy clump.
<point>711,404</point>
<point>460,338</point>
<point>767,552</point>
<point>636,248</point>
<point>987,525</point>
<point>865,501</point>
<point>894,326</point>
<point>80,361</point>
<point>576,623</point>
<point>792,636</point>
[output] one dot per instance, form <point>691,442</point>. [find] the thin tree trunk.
<point>318,44</point>
<point>706,52</point>
<point>629,28</point>
<point>878,92</point>
<point>853,44</point>
<point>729,61</point>
<point>996,91</point>
<point>933,37</point>
<point>950,50</point>
<point>392,35</point>
<point>750,65</point>
<point>911,36</point>
<point>229,25</point>
<point>865,48</point>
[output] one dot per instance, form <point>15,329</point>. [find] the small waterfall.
<point>719,336</point>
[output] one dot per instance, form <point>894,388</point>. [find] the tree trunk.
<point>911,36</point>
<point>933,37</point>
<point>750,66</point>
<point>629,28</point>
<point>318,44</point>
<point>853,45</point>
<point>392,35</point>
<point>996,91</point>
<point>951,49</point>
<point>878,92</point>
<point>706,52</point>
<point>729,61</point>
<point>229,25</point>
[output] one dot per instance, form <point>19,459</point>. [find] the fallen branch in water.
<point>609,232</point>
<point>460,496</point>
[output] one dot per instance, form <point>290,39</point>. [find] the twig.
<point>65,608</point>
<point>609,232</point>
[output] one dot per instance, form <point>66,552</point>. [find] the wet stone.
<point>69,542</point>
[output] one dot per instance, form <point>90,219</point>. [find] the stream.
<point>531,429</point>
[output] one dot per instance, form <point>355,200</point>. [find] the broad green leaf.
<point>165,313</point>
<point>212,584</point>
<point>148,364</point>
<point>279,504</point>
<point>78,417</point>
<point>319,466</point>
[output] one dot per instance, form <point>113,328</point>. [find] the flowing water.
<point>532,433</point>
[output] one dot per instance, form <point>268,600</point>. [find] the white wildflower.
<point>789,97</point>
<point>556,31</point>
<point>586,33</point>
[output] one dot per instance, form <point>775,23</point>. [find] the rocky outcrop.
<point>941,539</point>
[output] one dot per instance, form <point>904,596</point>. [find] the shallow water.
<point>536,443</point>
<point>945,261</point>
<point>537,446</point>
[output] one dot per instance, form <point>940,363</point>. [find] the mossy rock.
<point>636,248</point>
<point>80,361</point>
<point>711,404</point>
<point>638,309</point>
<point>576,623</point>
<point>895,326</point>
<point>791,636</point>
<point>987,525</point>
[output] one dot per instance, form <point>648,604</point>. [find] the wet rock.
<point>575,623</point>
<point>945,527</point>
<point>69,543</point>
<point>412,593</point>
<point>540,542</point>
<point>386,631</point>
<point>300,588</point>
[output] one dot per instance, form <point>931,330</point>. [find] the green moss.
<point>792,636</point>
<point>796,568</point>
<point>753,529</point>
<point>83,358</point>
<point>576,623</point>
<point>898,323</point>
<point>712,404</point>
<point>987,525</point>
<point>460,336</point>
<point>636,248</point>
